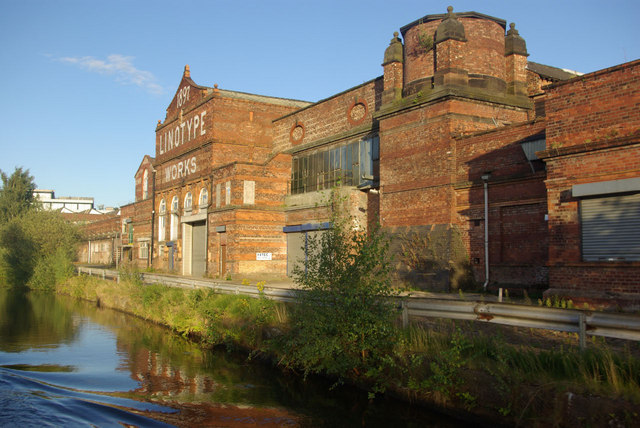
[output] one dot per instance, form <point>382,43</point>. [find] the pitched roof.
<point>552,73</point>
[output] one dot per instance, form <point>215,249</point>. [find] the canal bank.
<point>66,362</point>
<point>507,378</point>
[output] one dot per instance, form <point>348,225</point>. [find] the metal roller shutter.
<point>611,228</point>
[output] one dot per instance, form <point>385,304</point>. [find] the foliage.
<point>343,322</point>
<point>16,195</point>
<point>556,302</point>
<point>425,41</point>
<point>448,363</point>
<point>217,319</point>
<point>37,249</point>
<point>16,255</point>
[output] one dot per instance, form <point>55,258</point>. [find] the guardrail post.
<point>104,274</point>
<point>405,315</point>
<point>582,327</point>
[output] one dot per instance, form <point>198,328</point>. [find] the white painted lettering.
<point>202,131</point>
<point>175,137</point>
<point>183,96</point>
<point>196,122</point>
<point>189,128</point>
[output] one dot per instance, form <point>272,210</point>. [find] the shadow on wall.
<point>431,258</point>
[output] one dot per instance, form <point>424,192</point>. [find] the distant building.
<point>68,204</point>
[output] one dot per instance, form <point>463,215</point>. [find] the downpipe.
<point>485,179</point>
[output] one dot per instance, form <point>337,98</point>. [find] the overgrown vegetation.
<point>447,363</point>
<point>37,248</point>
<point>342,324</point>
<point>215,319</point>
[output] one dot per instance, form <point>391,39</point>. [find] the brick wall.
<point>99,234</point>
<point>330,119</point>
<point>593,124</point>
<point>481,56</point>
<point>518,241</point>
<point>597,106</point>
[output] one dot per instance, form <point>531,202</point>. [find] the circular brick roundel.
<point>297,133</point>
<point>357,112</point>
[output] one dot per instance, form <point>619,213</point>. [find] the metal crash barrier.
<point>583,322</point>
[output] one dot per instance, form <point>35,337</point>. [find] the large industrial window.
<point>348,165</point>
<point>611,228</point>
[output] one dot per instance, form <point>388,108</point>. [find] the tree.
<point>16,195</point>
<point>343,324</point>
<point>37,247</point>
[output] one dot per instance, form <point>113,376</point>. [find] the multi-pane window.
<point>162,220</point>
<point>174,219</point>
<point>348,165</point>
<point>145,184</point>
<point>144,250</point>
<point>188,202</point>
<point>204,197</point>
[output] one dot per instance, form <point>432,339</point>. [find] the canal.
<point>65,362</point>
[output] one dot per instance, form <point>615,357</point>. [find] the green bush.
<point>38,249</point>
<point>343,324</point>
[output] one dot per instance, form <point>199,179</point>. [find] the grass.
<point>447,363</point>
<point>215,319</point>
<point>598,370</point>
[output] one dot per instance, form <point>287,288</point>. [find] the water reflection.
<point>62,357</point>
<point>33,321</point>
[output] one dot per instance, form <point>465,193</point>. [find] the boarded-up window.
<point>249,192</point>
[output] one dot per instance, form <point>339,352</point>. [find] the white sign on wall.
<point>180,169</point>
<point>263,256</point>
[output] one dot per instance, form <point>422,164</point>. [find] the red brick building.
<point>593,185</point>
<point>480,164</point>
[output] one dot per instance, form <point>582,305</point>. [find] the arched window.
<point>203,200</point>
<point>145,184</point>
<point>188,202</point>
<point>174,219</point>
<point>162,221</point>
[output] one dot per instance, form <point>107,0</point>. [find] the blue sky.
<point>84,83</point>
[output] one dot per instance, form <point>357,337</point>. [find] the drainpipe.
<point>485,179</point>
<point>153,215</point>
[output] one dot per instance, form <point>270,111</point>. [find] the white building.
<point>67,204</point>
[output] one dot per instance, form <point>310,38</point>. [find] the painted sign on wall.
<point>180,169</point>
<point>183,132</point>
